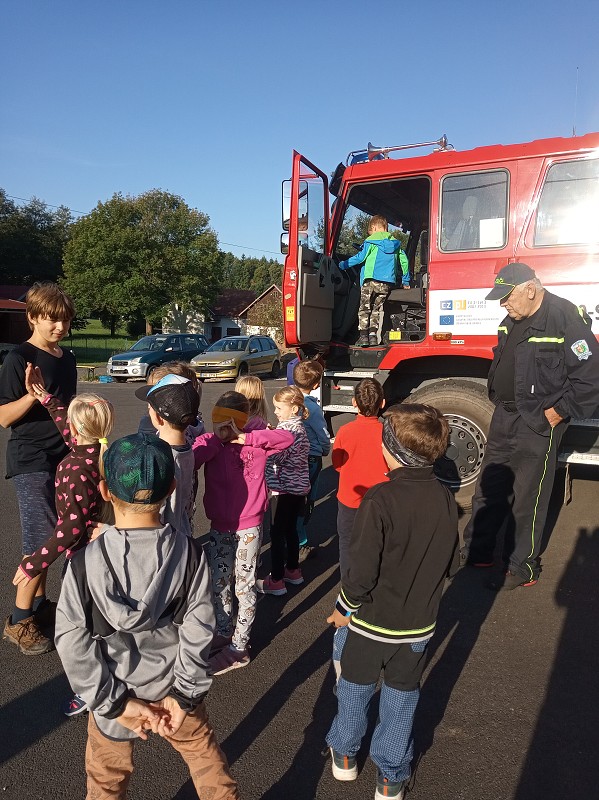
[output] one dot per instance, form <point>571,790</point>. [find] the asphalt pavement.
<point>509,703</point>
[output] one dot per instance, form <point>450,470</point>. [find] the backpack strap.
<point>95,622</point>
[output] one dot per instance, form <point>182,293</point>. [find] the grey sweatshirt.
<point>178,508</point>
<point>147,656</point>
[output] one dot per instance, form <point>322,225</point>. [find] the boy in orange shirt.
<point>358,458</point>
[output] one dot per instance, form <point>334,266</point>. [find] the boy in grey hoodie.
<point>138,655</point>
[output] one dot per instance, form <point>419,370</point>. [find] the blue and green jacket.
<point>380,256</point>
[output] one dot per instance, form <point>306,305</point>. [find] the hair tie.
<point>103,441</point>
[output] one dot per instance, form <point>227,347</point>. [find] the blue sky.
<point>207,100</point>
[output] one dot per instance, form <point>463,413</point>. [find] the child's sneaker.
<point>293,576</point>
<point>229,658</point>
<point>270,586</point>
<point>27,636</point>
<point>76,705</point>
<point>345,768</point>
<point>219,641</point>
<point>387,788</point>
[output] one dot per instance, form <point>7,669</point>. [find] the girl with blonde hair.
<point>85,426</point>
<point>252,388</point>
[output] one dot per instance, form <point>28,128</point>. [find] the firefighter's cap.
<point>509,277</point>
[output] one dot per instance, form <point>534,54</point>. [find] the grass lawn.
<point>94,344</point>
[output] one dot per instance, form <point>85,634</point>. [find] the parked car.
<point>233,356</point>
<point>151,351</point>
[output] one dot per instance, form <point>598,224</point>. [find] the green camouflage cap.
<point>139,469</point>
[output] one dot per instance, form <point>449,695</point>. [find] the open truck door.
<point>308,286</point>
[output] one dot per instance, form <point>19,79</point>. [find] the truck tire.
<point>467,408</point>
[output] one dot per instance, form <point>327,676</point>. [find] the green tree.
<point>139,255</point>
<point>32,240</point>
<point>251,273</point>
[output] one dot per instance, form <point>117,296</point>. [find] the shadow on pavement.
<point>464,608</point>
<point>562,756</point>
<point>27,719</point>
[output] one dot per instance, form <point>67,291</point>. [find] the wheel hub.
<point>461,463</point>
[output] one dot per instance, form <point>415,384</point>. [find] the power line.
<point>246,247</point>
<point>73,211</point>
<point>24,200</point>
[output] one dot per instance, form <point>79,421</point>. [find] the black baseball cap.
<point>173,398</point>
<point>509,277</point>
<point>139,469</point>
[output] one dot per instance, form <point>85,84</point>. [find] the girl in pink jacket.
<point>235,500</point>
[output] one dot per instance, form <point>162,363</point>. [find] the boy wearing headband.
<point>235,500</point>
<point>403,545</point>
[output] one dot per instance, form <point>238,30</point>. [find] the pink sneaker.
<point>270,586</point>
<point>229,658</point>
<point>293,576</point>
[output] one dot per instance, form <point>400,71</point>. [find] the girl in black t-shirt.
<point>35,448</point>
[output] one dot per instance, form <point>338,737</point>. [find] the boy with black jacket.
<point>404,543</point>
<point>134,625</point>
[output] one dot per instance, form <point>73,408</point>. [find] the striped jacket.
<point>287,472</point>
<point>403,544</point>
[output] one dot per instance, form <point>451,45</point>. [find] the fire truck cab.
<point>461,217</point>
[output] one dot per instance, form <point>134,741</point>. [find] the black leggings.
<point>284,509</point>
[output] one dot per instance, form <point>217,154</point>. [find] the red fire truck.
<point>461,216</point>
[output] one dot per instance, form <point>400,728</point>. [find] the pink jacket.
<point>235,496</point>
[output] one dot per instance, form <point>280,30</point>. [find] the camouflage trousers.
<point>372,296</point>
<point>109,763</point>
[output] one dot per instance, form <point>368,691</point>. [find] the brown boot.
<point>27,637</point>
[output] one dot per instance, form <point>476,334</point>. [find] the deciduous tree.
<point>139,255</point>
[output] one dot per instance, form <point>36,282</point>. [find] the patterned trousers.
<point>372,296</point>
<point>109,763</point>
<point>233,556</point>
<point>392,745</point>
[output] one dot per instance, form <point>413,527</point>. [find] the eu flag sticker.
<point>446,319</point>
<point>446,305</point>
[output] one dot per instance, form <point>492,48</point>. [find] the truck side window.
<point>474,208</point>
<point>569,204</point>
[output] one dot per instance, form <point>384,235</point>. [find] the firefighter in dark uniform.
<point>545,370</point>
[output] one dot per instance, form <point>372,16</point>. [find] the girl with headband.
<point>85,426</point>
<point>235,500</point>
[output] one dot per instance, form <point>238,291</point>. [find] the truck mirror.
<point>284,243</point>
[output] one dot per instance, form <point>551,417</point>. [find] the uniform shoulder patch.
<point>581,350</point>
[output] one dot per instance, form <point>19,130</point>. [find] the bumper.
<point>217,372</point>
<point>130,371</point>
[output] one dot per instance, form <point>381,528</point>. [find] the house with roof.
<point>13,320</point>
<point>233,313</point>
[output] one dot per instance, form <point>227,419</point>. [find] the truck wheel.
<point>468,410</point>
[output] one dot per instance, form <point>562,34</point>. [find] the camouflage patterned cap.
<point>139,469</point>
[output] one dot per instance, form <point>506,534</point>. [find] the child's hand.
<point>174,717</point>
<point>21,578</point>
<point>95,530</point>
<point>240,439</point>
<point>34,381</point>
<point>338,619</point>
<point>140,717</point>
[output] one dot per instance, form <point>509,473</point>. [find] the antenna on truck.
<point>373,153</point>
